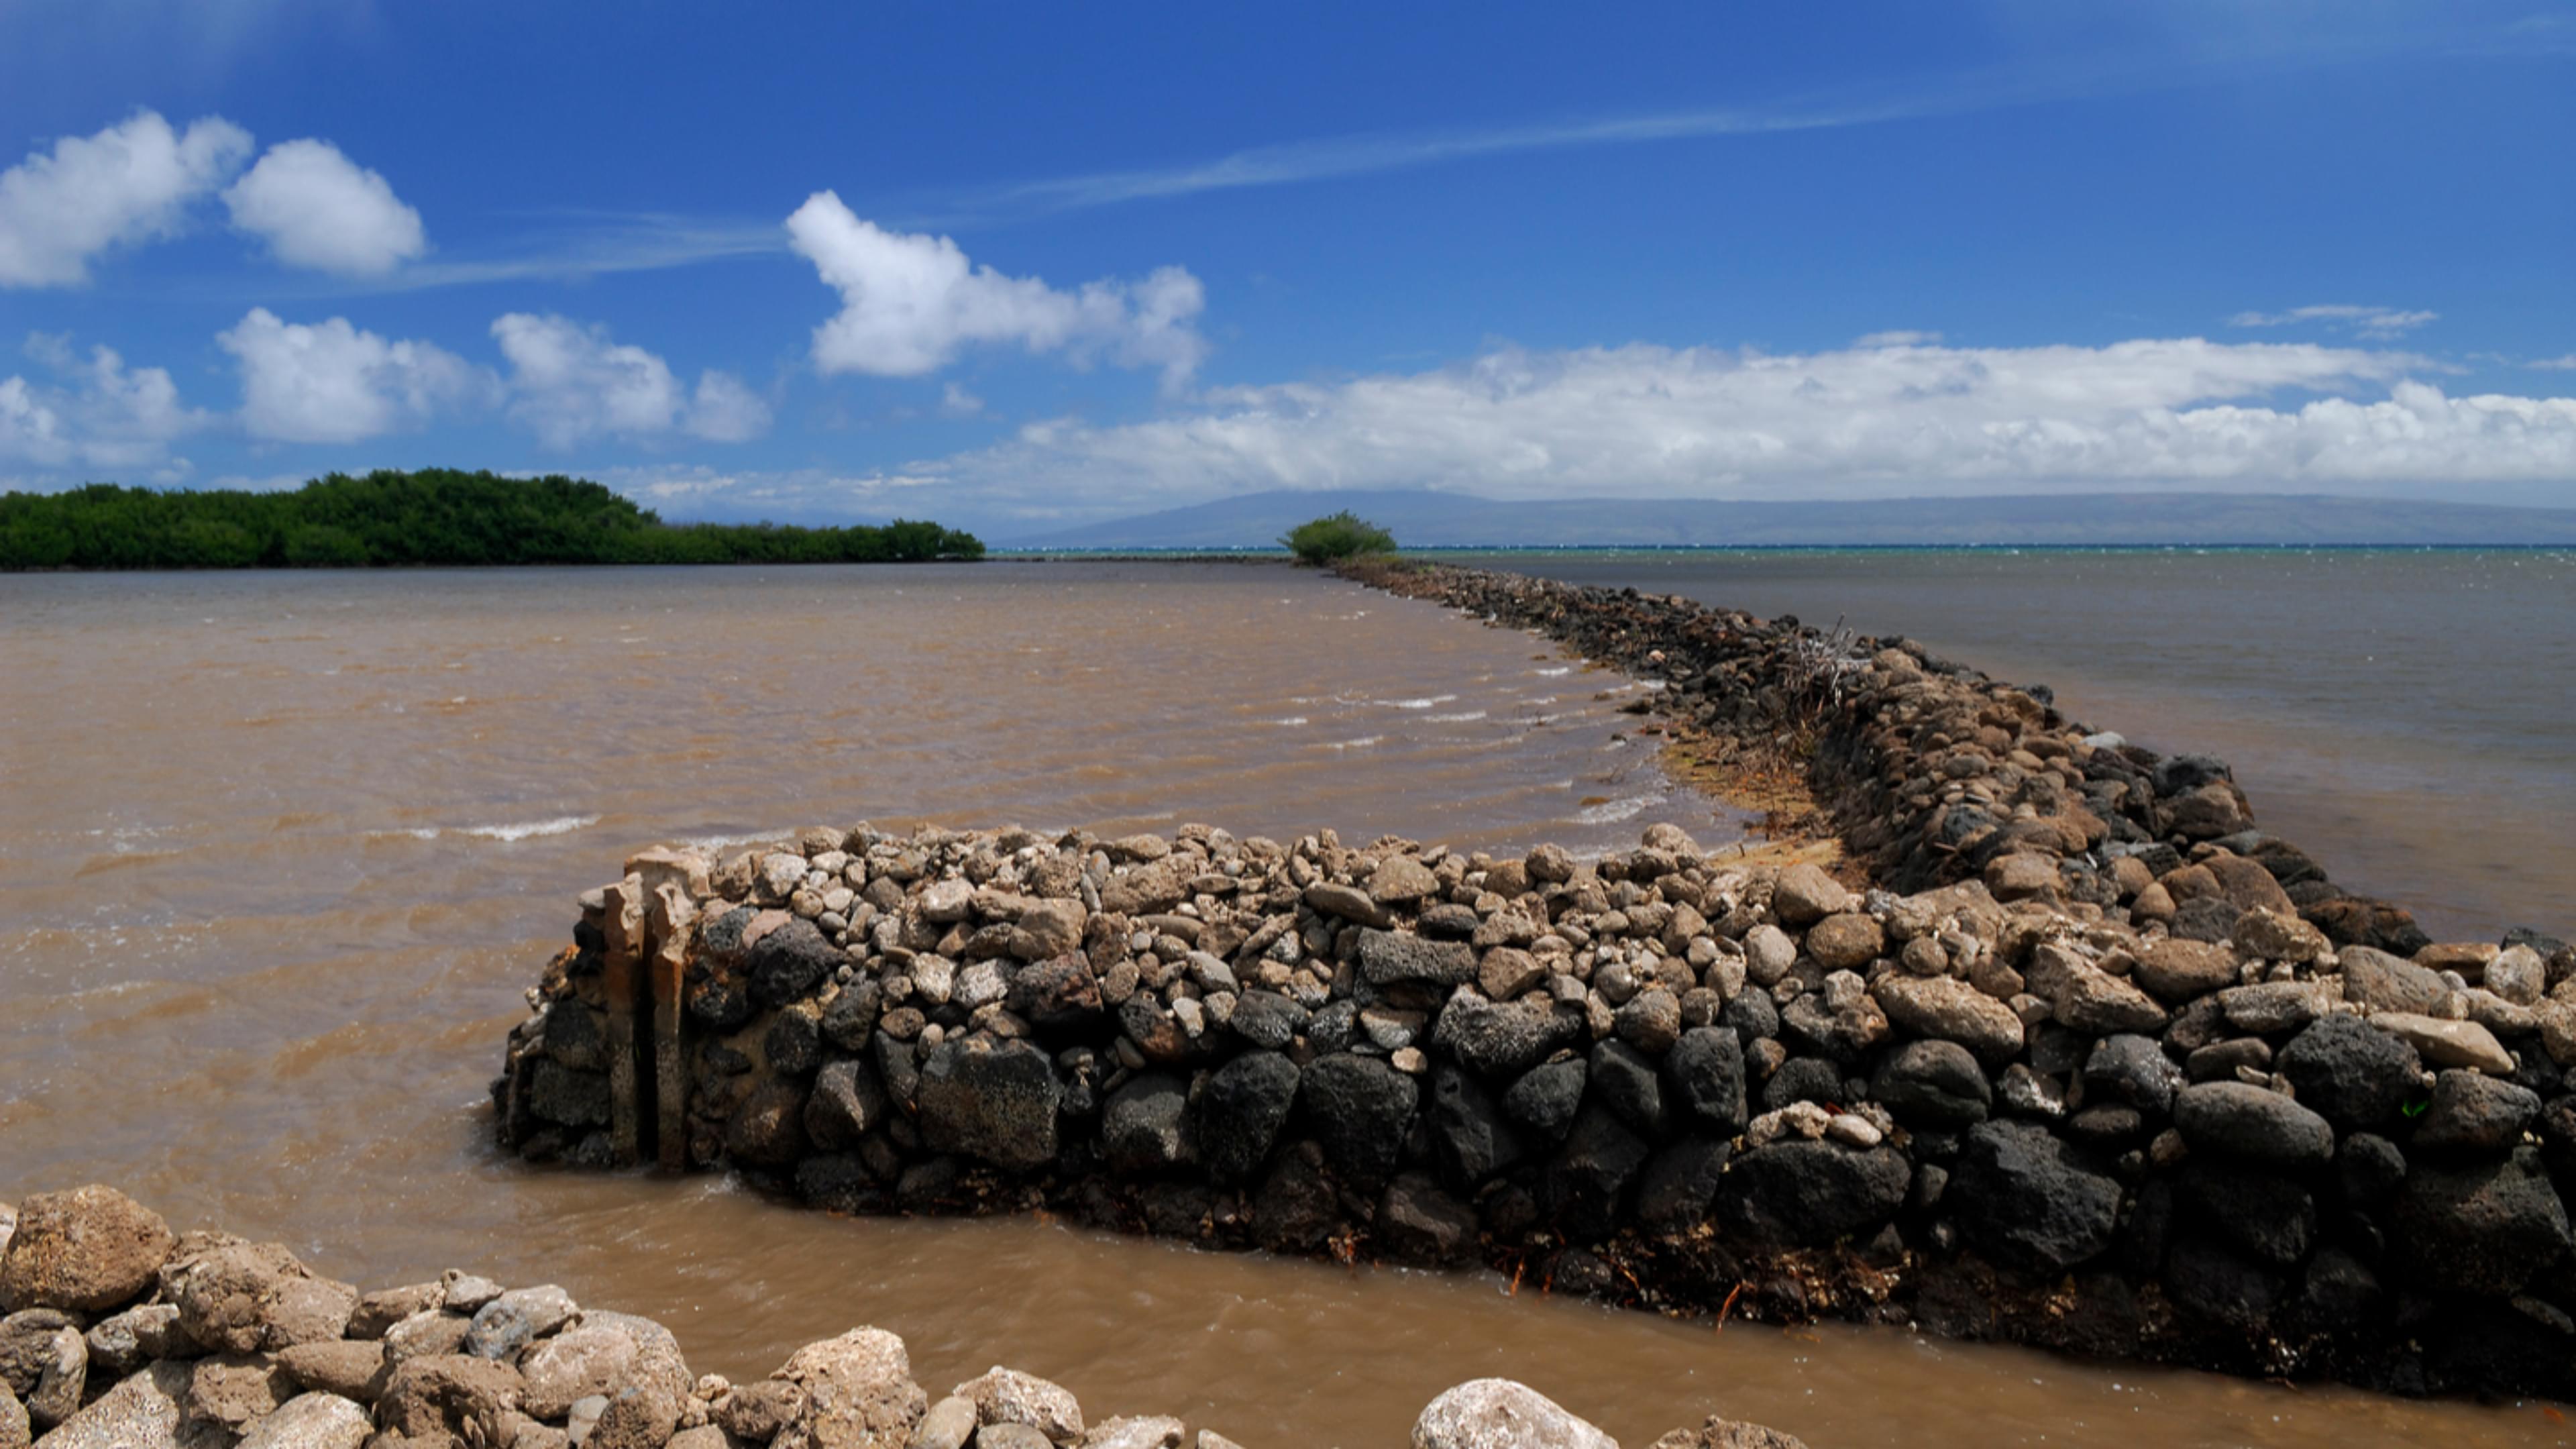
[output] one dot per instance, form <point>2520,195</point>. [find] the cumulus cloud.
<point>1643,421</point>
<point>98,414</point>
<point>1895,339</point>
<point>2372,322</point>
<point>911,302</point>
<point>570,383</point>
<point>330,382</point>
<point>130,183</point>
<point>316,208</point>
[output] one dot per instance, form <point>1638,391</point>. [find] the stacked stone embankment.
<point>1661,1077</point>
<point>1929,771</point>
<point>120,1334</point>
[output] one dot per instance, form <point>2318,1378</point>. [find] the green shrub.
<point>1335,537</point>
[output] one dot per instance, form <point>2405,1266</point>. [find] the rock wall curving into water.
<point>120,1334</point>
<point>2066,1056</point>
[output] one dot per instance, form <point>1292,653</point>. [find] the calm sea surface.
<point>279,852</point>
<point>2406,716</point>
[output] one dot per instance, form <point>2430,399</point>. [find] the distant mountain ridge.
<point>1425,519</point>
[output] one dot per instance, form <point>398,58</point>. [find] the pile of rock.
<point>1931,772</point>
<point>120,1334</point>
<point>1659,1077</point>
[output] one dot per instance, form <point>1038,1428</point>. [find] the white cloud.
<point>1896,339</point>
<point>316,208</point>
<point>911,301</point>
<point>129,183</point>
<point>2557,364</point>
<point>957,402</point>
<point>330,382</point>
<point>2373,322</point>
<point>1644,421</point>
<point>571,383</point>
<point>101,415</point>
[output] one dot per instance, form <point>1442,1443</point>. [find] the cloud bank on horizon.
<point>1318,315</point>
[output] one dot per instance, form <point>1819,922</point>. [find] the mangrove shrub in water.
<point>1335,537</point>
<point>433,516</point>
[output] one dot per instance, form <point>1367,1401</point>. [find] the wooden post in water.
<point>621,973</point>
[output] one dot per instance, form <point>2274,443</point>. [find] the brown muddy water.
<point>278,853</point>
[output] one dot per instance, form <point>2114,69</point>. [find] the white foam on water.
<point>1470,715</point>
<point>1434,700</point>
<point>1610,812</point>
<point>514,831</point>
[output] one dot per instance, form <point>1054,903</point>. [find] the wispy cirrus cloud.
<point>2379,323</point>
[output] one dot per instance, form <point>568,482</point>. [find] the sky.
<point>1020,268</point>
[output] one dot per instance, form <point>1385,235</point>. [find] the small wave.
<point>1559,671</point>
<point>517,830</point>
<point>1610,812</point>
<point>1437,699</point>
<point>1473,714</point>
<point>1363,742</point>
<point>1288,721</point>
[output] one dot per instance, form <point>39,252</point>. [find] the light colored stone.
<point>2518,975</point>
<point>2448,1043</point>
<point>352,1368</point>
<point>1800,895</point>
<point>238,1297</point>
<point>382,1309</point>
<point>859,1393</point>
<point>1947,1009</point>
<point>2275,937</point>
<point>311,1421</point>
<point>1007,1396</point>
<point>1768,954</point>
<point>1140,1433</point>
<point>514,1319</point>
<point>45,1362</point>
<point>1502,1414</point>
<point>949,1424</point>
<point>140,1413</point>
<point>233,1389</point>
<point>604,1352</point>
<point>427,1334</point>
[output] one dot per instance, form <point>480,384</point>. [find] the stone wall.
<point>120,1334</point>
<point>2097,1068</point>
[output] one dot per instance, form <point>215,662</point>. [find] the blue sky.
<point>1022,267</point>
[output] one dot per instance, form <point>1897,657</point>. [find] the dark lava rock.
<point>990,1100</point>
<point>1296,1209</point>
<point>2340,1292</point>
<point>1583,1183</point>
<point>1419,1223</point>
<point>2215,1282</point>
<point>1934,1084</point>
<point>1546,1098</point>
<point>2351,1073</point>
<point>2241,1120</point>
<point>1625,1081</point>
<point>2181,774</point>
<point>2368,1169</point>
<point>1753,1015</point>
<point>1803,1079</point>
<point>2473,1114</point>
<point>2209,918</point>
<point>1705,1072</point>
<point>1469,1138</point>
<point>1267,1019</point>
<point>1448,921</point>
<point>2027,1200</point>
<point>2263,1215</point>
<point>1680,1183</point>
<point>1359,1109</point>
<point>574,1040</point>
<point>1241,1110</point>
<point>2218,1061</point>
<point>574,1099</point>
<point>1807,1194</point>
<point>848,1102</point>
<point>1332,1026</point>
<point>2488,1228</point>
<point>1058,994</point>
<point>2132,1070</point>
<point>1145,1128</point>
<point>720,936</point>
<point>836,1182</point>
<point>1386,958</point>
<point>1507,1038</point>
<point>851,1016</point>
<point>721,999</point>
<point>767,1129</point>
<point>789,962</point>
<point>793,1043</point>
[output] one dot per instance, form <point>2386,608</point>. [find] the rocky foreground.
<point>120,1334</point>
